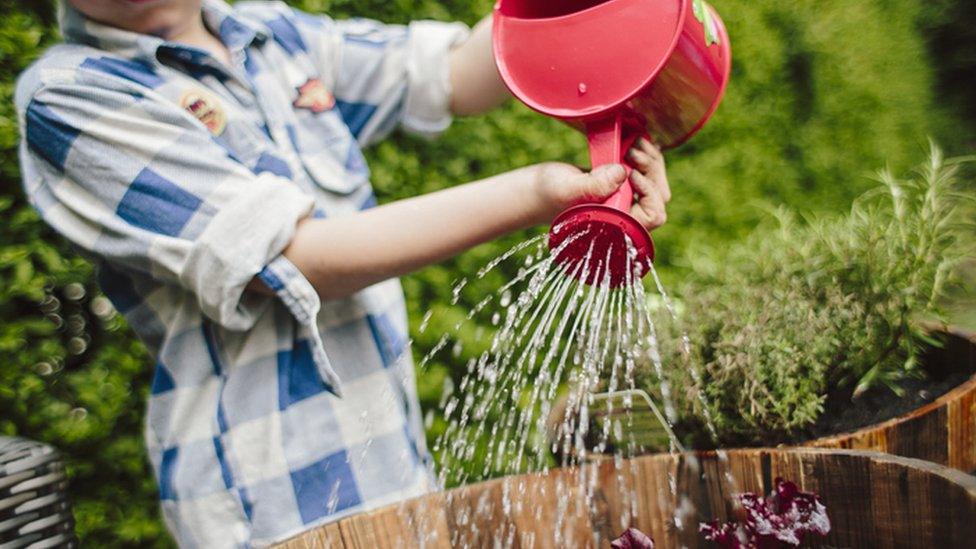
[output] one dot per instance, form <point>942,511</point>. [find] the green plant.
<point>803,308</point>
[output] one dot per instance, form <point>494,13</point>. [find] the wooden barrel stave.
<point>874,500</point>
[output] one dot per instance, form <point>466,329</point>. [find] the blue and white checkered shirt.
<point>184,179</point>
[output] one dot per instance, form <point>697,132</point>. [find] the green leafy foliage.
<point>72,374</point>
<point>821,91</point>
<point>951,35</point>
<point>803,308</point>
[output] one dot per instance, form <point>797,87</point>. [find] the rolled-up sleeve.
<point>291,286</point>
<point>427,104</point>
<point>137,181</point>
<point>385,75</point>
<point>298,295</point>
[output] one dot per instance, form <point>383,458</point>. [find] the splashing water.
<point>557,332</point>
<point>556,386</point>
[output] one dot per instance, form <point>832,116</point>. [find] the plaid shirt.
<point>183,178</point>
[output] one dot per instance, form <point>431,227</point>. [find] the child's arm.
<point>343,255</point>
<point>475,83</point>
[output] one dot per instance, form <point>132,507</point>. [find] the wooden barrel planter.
<point>873,500</point>
<point>944,430</point>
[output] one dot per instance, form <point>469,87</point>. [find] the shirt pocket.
<point>328,152</point>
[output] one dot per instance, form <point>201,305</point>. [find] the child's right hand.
<point>560,186</point>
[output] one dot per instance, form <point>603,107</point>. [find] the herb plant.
<point>806,307</point>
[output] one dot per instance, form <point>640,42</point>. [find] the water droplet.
<point>456,291</point>
<point>506,299</point>
<point>333,501</point>
<point>425,321</point>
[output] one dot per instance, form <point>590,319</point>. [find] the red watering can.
<point>617,70</point>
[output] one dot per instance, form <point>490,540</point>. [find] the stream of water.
<point>557,386</point>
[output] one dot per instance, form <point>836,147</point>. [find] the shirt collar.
<point>234,30</point>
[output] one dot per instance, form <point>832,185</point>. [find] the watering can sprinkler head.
<point>606,245</point>
<point>617,70</point>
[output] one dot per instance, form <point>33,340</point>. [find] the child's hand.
<point>563,185</point>
<point>650,179</point>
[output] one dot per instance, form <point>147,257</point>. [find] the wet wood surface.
<point>873,499</point>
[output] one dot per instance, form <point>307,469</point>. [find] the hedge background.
<point>823,93</point>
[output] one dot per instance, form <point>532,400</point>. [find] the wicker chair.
<point>34,509</point>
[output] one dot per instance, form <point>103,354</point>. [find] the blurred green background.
<point>823,93</point>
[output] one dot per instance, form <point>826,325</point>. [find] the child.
<point>207,158</point>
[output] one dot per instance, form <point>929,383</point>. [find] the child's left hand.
<point>650,181</point>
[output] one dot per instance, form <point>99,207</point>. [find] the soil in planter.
<point>945,369</point>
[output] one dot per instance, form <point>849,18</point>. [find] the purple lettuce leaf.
<point>633,539</point>
<point>782,519</point>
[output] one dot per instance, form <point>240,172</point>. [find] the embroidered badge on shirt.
<point>206,109</point>
<point>314,96</point>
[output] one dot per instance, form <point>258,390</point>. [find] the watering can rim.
<point>498,6</point>
<point>593,111</point>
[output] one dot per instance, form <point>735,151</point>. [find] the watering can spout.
<point>601,242</point>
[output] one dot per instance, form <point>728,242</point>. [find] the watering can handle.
<point>609,140</point>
